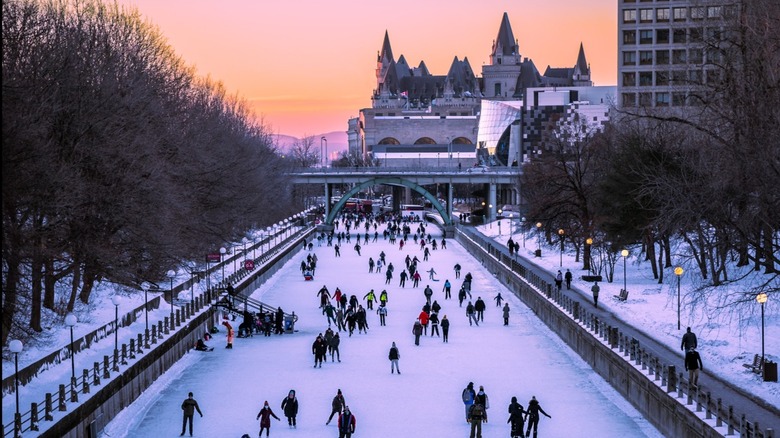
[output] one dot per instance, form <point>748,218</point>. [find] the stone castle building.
<point>421,119</point>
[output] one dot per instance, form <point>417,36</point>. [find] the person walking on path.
<point>480,306</point>
<point>445,329</point>
<point>264,416</point>
<point>382,312</point>
<point>290,408</point>
<point>346,423</point>
<point>516,419</point>
<point>434,320</point>
<point>471,314</point>
<point>476,417</point>
<point>447,289</point>
<point>505,311</point>
<point>457,270</point>
<point>417,330</point>
<point>468,396</point>
<point>534,408</point>
<point>595,289</point>
<point>394,355</point>
<point>498,298</point>
<point>559,280</point>
<point>336,405</point>
<point>689,340</point>
<point>188,407</point>
<point>568,278</point>
<point>693,365</point>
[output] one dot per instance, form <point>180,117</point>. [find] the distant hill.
<point>336,141</point>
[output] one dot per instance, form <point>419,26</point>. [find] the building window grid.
<point>645,15</point>
<point>629,15</point>
<point>646,57</point>
<point>662,14</point>
<point>629,37</point>
<point>680,14</point>
<point>646,36</point>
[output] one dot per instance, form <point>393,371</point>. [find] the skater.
<point>264,416</point>
<point>457,270</point>
<point>688,340</point>
<point>477,415</point>
<point>389,276</point>
<point>383,297</point>
<point>333,346</point>
<point>290,408</point>
<point>189,406</point>
<point>498,298</point>
<point>324,295</point>
<point>480,306</point>
<point>559,280</point>
<point>435,307</point>
<point>337,405</point>
<point>506,313</point>
<point>357,248</point>
<point>370,298</point>
<point>382,312</point>
<point>394,355</point>
<point>403,276</point>
<point>434,320</point>
<point>468,396</point>
<point>595,289</point>
<point>318,349</point>
<point>516,419</point>
<point>200,345</point>
<point>568,278</point>
<point>471,314</point>
<point>445,328</point>
<point>370,265</point>
<point>230,334</point>
<point>447,289</point>
<point>428,292</point>
<point>346,423</point>
<point>337,248</point>
<point>693,365</point>
<point>424,317</point>
<point>416,277</point>
<point>533,416</point>
<point>461,296</point>
<point>482,399</point>
<point>417,330</point>
<point>431,274</point>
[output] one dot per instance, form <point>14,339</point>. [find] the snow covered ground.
<point>521,360</point>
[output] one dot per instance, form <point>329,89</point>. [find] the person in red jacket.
<point>264,416</point>
<point>424,317</point>
<point>346,423</point>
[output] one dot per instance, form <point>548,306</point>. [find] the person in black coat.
<point>279,321</point>
<point>516,418</point>
<point>290,408</point>
<point>534,408</point>
<point>337,405</point>
<point>479,306</point>
<point>319,348</point>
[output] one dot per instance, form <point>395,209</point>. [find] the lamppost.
<point>761,298</point>
<point>115,300</point>
<point>145,287</point>
<point>70,321</point>
<point>490,210</point>
<point>16,347</point>
<point>222,252</point>
<point>624,253</point>
<point>588,246</point>
<point>268,236</point>
<point>678,271</point>
<point>539,239</point>
<point>171,274</point>
<point>484,213</point>
<point>326,149</point>
<point>561,233</point>
<point>322,153</point>
<point>522,228</point>
<point>499,221</point>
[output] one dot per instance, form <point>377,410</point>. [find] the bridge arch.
<point>389,181</point>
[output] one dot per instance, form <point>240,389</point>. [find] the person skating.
<point>498,299</point>
<point>476,417</point>
<point>424,316</point>
<point>319,348</point>
<point>370,298</point>
<point>480,307</point>
<point>417,330</point>
<point>264,416</point>
<point>482,398</point>
<point>402,276</point>
<point>506,313</point>
<point>346,423</point>
<point>461,296</point>
<point>394,355</point>
<point>416,279</point>
<point>337,404</point>
<point>471,314</point>
<point>447,289</point>
<point>324,295</point>
<point>431,274</point>
<point>457,270</point>
<point>428,292</point>
<point>333,345</point>
<point>435,306</point>
<point>382,312</point>
<point>534,408</point>
<point>290,408</point>
<point>188,407</point>
<point>516,419</point>
<point>445,329</point>
<point>468,396</point>
<point>434,321</point>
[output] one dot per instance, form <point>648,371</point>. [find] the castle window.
<point>661,78</point>
<point>662,57</point>
<point>698,13</point>
<point>497,90</point>
<point>678,99</point>
<point>678,56</point>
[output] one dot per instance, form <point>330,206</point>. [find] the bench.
<point>591,278</point>
<point>757,366</point>
<point>623,295</point>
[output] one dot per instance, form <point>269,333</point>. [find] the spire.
<point>505,42</point>
<point>582,65</point>
<point>386,53</point>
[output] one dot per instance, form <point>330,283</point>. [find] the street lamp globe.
<point>761,298</point>
<point>16,346</point>
<point>116,300</point>
<point>71,320</point>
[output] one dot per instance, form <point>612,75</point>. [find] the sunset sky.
<point>307,66</point>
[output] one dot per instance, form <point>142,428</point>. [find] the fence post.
<point>34,416</point>
<point>61,398</point>
<point>154,335</point>
<point>731,420</point>
<point>106,373</point>
<point>165,325</point>
<point>85,381</point>
<point>719,413</point>
<point>160,329</point>
<point>74,395</point>
<point>48,408</point>
<point>671,382</point>
<point>124,353</point>
<point>96,374</point>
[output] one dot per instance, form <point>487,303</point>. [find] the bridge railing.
<point>403,170</point>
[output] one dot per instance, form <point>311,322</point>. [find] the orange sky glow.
<point>307,66</point>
